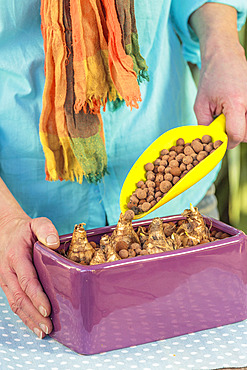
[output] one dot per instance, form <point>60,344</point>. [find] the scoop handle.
<point>219,123</point>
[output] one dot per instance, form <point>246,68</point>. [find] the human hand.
<point>223,78</point>
<point>223,89</point>
<point>18,277</point>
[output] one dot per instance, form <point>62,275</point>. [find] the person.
<point>171,33</point>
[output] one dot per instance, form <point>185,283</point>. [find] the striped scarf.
<point>92,57</point>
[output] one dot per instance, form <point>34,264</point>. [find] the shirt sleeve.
<point>180,13</point>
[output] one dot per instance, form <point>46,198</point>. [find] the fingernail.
<point>44,328</point>
<point>38,332</point>
<point>52,239</point>
<point>43,311</point>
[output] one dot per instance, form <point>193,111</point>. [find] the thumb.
<point>45,232</point>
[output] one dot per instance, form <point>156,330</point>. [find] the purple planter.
<point>147,298</point>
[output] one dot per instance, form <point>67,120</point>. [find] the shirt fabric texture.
<point>167,102</point>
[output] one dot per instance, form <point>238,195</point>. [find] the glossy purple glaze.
<point>144,299</point>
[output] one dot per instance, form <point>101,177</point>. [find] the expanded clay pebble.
<point>135,246</point>
<point>217,143</point>
<point>173,163</point>
<point>129,215</point>
<point>165,186</point>
<point>146,206</point>
<point>180,142</point>
<point>141,193</point>
<point>188,150</point>
<point>123,253</point>
<point>140,184</point>
<point>149,167</point>
<point>201,155</point>
<point>187,159</point>
<point>206,139</point>
<point>165,171</point>
<point>209,147</point>
<point>197,146</point>
<point>175,171</point>
<point>121,245</point>
<point>168,177</point>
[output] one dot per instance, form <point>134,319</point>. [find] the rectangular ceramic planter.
<point>147,298</point>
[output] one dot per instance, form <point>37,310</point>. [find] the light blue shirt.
<point>167,102</point>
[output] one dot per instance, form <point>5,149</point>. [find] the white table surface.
<point>222,347</point>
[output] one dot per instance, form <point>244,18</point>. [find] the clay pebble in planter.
<point>125,242</point>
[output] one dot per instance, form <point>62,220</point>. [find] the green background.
<point>231,183</point>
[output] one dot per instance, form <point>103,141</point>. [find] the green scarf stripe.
<point>139,63</point>
<point>91,155</point>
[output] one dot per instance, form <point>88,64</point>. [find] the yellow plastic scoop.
<point>216,130</point>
